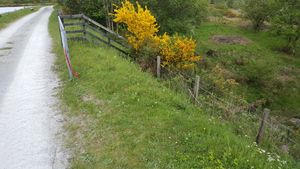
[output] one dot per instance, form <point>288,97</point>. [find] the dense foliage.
<point>259,11</point>
<point>173,16</point>
<point>177,16</point>
<point>287,22</point>
<point>92,8</point>
<point>142,31</point>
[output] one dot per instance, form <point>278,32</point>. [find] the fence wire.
<point>228,105</point>
<point>275,129</point>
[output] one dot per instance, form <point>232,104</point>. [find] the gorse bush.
<point>178,51</point>
<point>141,25</point>
<point>142,30</point>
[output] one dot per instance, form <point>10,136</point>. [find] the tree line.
<point>182,16</point>
<point>173,16</point>
<point>283,15</point>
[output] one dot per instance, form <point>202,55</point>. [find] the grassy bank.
<point>262,70</point>
<point>120,117</point>
<point>7,18</point>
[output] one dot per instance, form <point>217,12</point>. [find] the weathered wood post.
<point>196,87</point>
<point>158,68</point>
<point>260,133</point>
<point>84,27</point>
<point>108,39</point>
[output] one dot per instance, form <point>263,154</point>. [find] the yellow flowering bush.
<point>142,29</point>
<point>141,24</point>
<point>178,51</point>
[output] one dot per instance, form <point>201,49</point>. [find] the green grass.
<point>6,3</point>
<point>266,73</point>
<point>7,18</point>
<point>120,117</point>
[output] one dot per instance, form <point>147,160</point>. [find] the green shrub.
<point>258,11</point>
<point>287,23</point>
<point>177,16</point>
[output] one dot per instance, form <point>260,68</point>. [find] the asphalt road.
<point>29,112</point>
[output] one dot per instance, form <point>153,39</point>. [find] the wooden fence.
<point>92,31</point>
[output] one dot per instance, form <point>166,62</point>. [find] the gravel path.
<point>29,114</point>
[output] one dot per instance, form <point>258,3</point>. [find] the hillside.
<point>120,117</point>
<point>254,60</point>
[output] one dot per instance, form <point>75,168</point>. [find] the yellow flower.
<point>142,26</point>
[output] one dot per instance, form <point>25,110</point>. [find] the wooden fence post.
<point>108,39</point>
<point>158,64</point>
<point>260,133</point>
<point>84,27</point>
<point>196,87</point>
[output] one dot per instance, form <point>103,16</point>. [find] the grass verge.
<point>120,117</point>
<point>7,18</point>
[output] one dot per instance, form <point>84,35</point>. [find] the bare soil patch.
<point>231,40</point>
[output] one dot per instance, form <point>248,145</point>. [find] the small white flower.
<point>270,159</point>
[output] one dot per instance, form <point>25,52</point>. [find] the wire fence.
<point>225,106</point>
<point>230,107</point>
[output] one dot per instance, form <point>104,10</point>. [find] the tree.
<point>259,11</point>
<point>173,16</point>
<point>98,10</point>
<point>286,22</point>
<point>92,8</point>
<point>177,16</point>
<point>230,3</point>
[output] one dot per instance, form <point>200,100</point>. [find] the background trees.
<point>282,14</point>
<point>178,16</point>
<point>286,22</point>
<point>173,16</point>
<point>93,8</point>
<point>183,16</point>
<point>258,11</point>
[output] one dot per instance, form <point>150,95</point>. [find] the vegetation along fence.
<point>229,107</point>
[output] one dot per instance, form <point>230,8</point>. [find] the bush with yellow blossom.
<point>142,29</point>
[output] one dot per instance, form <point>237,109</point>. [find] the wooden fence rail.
<point>93,31</point>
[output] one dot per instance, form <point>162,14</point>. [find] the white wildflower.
<point>270,159</point>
